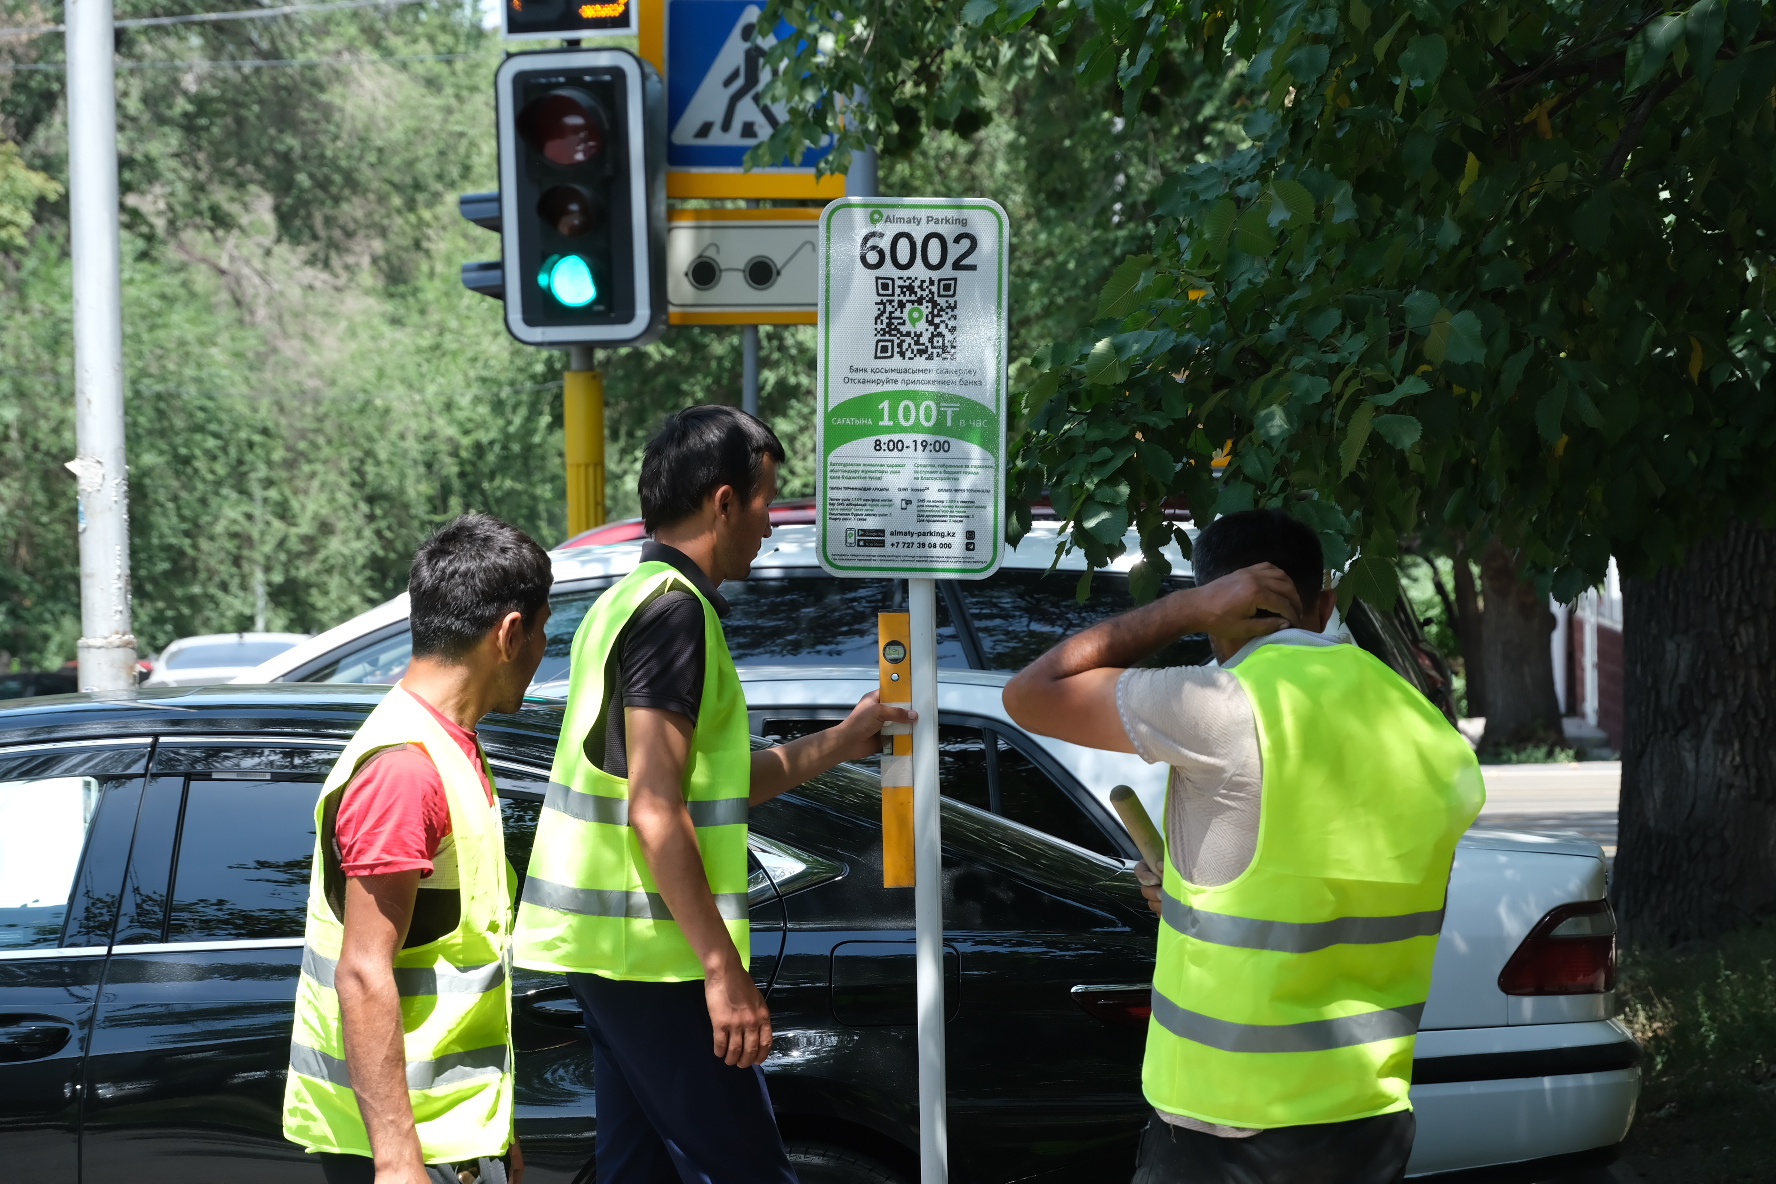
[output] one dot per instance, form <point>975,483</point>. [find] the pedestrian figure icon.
<point>726,108</point>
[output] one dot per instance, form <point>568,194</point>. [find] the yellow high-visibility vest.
<point>590,904</point>
<point>456,1001</point>
<point>1291,995</point>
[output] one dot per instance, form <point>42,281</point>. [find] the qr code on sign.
<point>916,318</point>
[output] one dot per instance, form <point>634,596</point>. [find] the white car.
<point>213,658</point>
<point>1520,1057</point>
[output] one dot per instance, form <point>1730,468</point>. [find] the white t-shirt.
<point>1199,720</point>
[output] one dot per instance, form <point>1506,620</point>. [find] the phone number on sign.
<point>916,444</point>
<point>917,545</point>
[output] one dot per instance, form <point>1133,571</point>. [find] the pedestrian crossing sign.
<point>713,55</point>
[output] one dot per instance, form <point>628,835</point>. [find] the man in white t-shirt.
<point>1291,972</point>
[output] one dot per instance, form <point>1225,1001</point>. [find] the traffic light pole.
<point>749,369</point>
<point>107,647</point>
<point>582,418</point>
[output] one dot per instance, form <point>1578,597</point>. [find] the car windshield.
<point>384,661</point>
<point>803,618</point>
<point>241,652</point>
<point>1020,614</point>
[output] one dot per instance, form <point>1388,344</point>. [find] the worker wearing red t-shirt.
<point>401,1057</point>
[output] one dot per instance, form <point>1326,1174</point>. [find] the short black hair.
<point>1261,536</point>
<point>696,452</point>
<point>466,578</point>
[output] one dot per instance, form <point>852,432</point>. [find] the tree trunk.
<point>1469,624</point>
<point>1520,703</point>
<point>1698,808</point>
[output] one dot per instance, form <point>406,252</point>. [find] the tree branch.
<point>1636,127</point>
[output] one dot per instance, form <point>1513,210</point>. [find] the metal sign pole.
<point>107,647</point>
<point>934,1160</point>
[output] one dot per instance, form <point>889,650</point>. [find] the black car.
<point>26,684</point>
<point>150,938</point>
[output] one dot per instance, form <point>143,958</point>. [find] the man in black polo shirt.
<point>637,885</point>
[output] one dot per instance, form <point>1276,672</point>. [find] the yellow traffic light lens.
<point>567,208</point>
<point>568,278</point>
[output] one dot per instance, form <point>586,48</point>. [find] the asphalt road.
<point>1575,797</point>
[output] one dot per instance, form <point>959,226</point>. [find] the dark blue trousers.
<point>669,1110</point>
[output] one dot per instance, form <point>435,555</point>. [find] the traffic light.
<point>582,202</point>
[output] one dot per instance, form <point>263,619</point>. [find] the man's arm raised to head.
<point>1070,692</point>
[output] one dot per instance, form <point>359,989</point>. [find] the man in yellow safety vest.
<point>637,888</point>
<point>401,1058</point>
<point>1310,824</point>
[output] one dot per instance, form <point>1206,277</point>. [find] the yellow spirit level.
<point>894,637</point>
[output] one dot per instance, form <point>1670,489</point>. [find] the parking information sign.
<point>911,416</point>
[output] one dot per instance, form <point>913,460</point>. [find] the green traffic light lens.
<point>569,279</point>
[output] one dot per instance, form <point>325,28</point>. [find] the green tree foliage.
<point>21,189</point>
<point>1502,268</point>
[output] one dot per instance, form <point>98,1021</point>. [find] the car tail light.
<point>1119,1006</point>
<point>1571,951</point>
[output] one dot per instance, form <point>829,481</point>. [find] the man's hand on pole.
<point>857,737</point>
<point>1150,882</point>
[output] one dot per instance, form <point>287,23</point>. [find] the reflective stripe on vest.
<point>591,807</point>
<point>1310,1036</point>
<point>449,1069</point>
<point>1291,995</point>
<point>413,981</point>
<point>455,991</point>
<point>1295,937</point>
<point>590,903</point>
<point>608,902</point>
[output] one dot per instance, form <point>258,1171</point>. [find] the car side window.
<point>244,843</point>
<point>778,619</point>
<point>984,768</point>
<point>1029,795</point>
<point>49,800</point>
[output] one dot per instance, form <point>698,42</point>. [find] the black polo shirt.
<point>660,655</point>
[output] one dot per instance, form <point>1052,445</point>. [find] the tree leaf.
<point>1321,321</point>
<point>1254,237</point>
<point>1424,57</point>
<point>1467,339</point>
<point>1102,366</point>
<point>1355,437</point>
<point>1307,64</point>
<point>1548,410</point>
<point>1294,197</point>
<point>1413,385</point>
<point>1421,308</point>
<point>1402,431</point>
<point>1590,222</point>
<point>976,11</point>
<point>1217,225</point>
<point>1122,292</point>
<point>1274,423</point>
<point>1103,522</point>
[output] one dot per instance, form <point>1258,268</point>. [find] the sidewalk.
<point>1578,797</point>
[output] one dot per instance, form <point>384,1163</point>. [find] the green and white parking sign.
<point>911,417</point>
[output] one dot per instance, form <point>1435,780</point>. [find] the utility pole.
<point>582,421</point>
<point>107,647</point>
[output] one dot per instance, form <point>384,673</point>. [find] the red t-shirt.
<point>394,813</point>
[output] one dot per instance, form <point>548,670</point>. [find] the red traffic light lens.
<point>567,126</point>
<point>569,209</point>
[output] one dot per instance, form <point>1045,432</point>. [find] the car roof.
<point>795,545</point>
<point>332,710</point>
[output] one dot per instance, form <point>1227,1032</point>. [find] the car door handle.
<point>30,1039</point>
